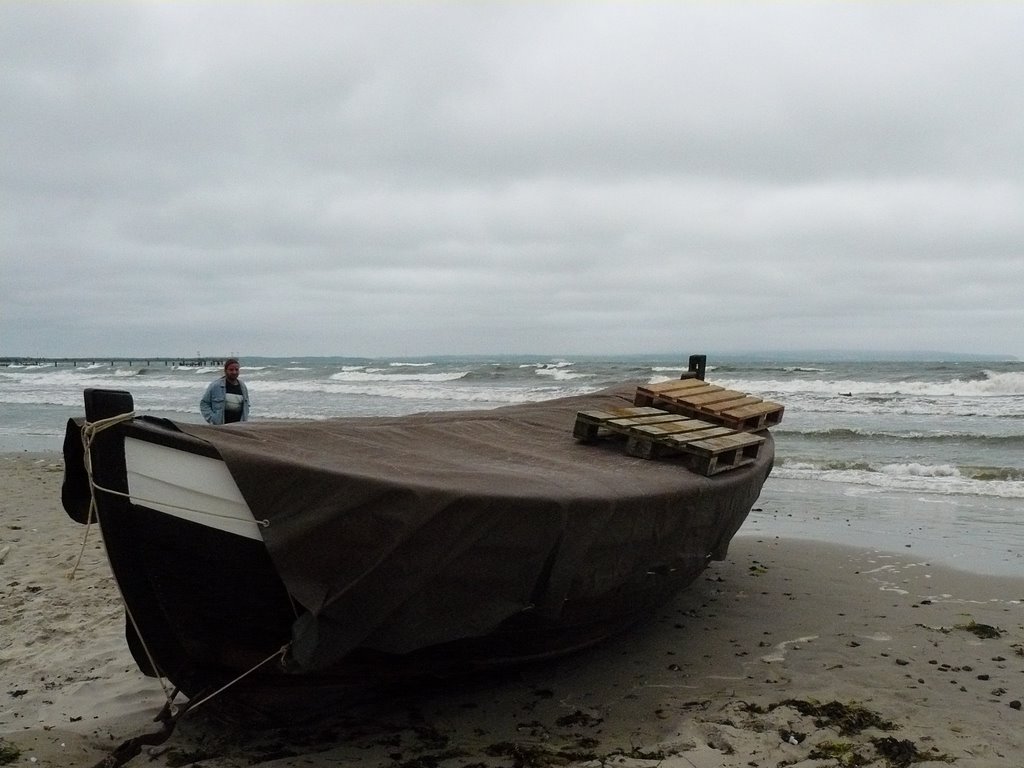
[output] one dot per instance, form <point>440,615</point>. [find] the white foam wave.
<point>995,384</point>
<point>914,469</point>
<point>553,364</point>
<point>205,370</point>
<point>561,374</point>
<point>943,480</point>
<point>383,374</point>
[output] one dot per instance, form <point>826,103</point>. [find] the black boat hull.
<point>207,606</point>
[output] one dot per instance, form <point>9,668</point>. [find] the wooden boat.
<point>360,549</point>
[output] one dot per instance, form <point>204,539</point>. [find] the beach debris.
<point>848,719</point>
<point>843,752</point>
<point>536,756</point>
<point>900,753</point>
<point>984,631</point>
<point>579,718</point>
<point>8,753</point>
<point>792,737</point>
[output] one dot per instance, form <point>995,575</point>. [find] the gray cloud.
<point>420,179</point>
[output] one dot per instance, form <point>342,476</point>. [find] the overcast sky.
<point>342,178</point>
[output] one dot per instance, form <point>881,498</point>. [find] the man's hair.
<point>231,360</point>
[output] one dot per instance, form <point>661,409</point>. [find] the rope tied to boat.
<point>169,715</point>
<point>90,430</point>
<point>169,718</point>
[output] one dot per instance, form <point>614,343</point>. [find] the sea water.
<point>919,455</point>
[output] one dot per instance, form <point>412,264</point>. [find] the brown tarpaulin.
<point>396,533</point>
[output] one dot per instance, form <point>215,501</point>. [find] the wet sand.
<point>790,652</point>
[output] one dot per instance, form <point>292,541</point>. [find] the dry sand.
<point>788,653</point>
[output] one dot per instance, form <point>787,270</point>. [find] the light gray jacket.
<point>211,405</point>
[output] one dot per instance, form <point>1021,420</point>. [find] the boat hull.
<point>491,574</point>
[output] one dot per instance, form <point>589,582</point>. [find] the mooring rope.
<point>279,653</point>
<point>132,747</point>
<point>169,719</point>
<point>90,430</point>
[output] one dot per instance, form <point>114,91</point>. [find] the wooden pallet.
<point>698,399</point>
<point>649,432</point>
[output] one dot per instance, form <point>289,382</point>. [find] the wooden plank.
<point>623,412</point>
<point>682,424</point>
<point>674,385</point>
<point>708,398</point>
<point>728,442</point>
<point>647,394</point>
<point>590,424</point>
<point>716,408</point>
<point>638,421</point>
<point>689,438</point>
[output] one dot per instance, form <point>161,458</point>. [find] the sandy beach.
<point>789,652</point>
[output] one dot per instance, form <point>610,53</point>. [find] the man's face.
<point>231,372</point>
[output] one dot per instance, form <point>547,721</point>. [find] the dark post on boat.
<point>698,365</point>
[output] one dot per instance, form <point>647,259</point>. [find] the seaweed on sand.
<point>849,719</point>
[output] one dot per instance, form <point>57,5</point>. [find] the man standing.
<point>226,399</point>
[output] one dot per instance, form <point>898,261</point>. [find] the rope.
<point>169,719</point>
<point>280,652</point>
<point>90,430</point>
<point>132,747</point>
<point>264,523</point>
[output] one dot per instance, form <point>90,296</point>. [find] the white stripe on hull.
<point>187,486</point>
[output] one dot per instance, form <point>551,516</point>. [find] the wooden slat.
<point>727,405</point>
<point>647,394</point>
<point>681,424</point>
<point>710,398</point>
<point>638,421</point>
<point>590,424</point>
<point>674,385</point>
<point>696,439</point>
